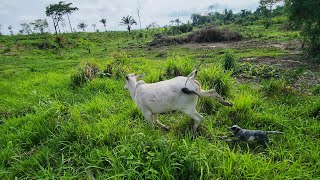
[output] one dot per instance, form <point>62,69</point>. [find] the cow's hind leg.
<point>148,116</point>
<point>213,93</point>
<point>195,116</point>
<point>157,122</point>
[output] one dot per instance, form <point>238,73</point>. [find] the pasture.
<point>55,122</point>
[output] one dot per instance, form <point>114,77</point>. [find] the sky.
<point>15,12</point>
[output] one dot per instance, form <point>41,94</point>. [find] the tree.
<point>40,25</point>
<point>128,21</point>
<point>104,22</point>
<point>82,26</point>
<point>56,11</point>
<point>171,22</point>
<point>198,19</point>
<point>68,10</point>
<point>305,15</point>
<point>228,16</point>
<point>0,29</point>
<point>177,21</point>
<point>63,24</point>
<point>138,12</point>
<point>26,28</point>
<point>10,29</point>
<point>152,26</point>
<point>270,4</point>
<point>94,27</point>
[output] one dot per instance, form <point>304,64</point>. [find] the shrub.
<point>175,30</point>
<point>215,77</point>
<point>85,72</point>
<point>45,45</point>
<point>154,76</point>
<point>229,61</point>
<point>274,86</point>
<point>176,66</point>
<point>120,57</point>
<point>140,35</point>
<point>61,41</point>
<point>6,50</point>
<point>308,22</point>
<point>213,34</point>
<point>117,68</point>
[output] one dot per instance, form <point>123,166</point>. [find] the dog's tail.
<point>274,132</point>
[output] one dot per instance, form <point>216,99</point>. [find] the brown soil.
<point>294,46</point>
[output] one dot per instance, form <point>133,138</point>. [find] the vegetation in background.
<point>306,16</point>
<point>104,22</point>
<point>128,21</point>
<point>82,26</point>
<point>65,114</point>
<point>229,61</point>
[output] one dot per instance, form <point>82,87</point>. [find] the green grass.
<point>51,130</point>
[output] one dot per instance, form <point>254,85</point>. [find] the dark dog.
<point>251,135</point>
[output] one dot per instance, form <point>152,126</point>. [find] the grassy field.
<point>56,124</point>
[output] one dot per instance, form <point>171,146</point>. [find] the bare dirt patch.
<point>293,46</point>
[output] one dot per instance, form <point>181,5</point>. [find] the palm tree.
<point>10,29</point>
<point>104,22</point>
<point>128,21</point>
<point>82,26</point>
<point>177,21</point>
<point>68,10</point>
<point>171,22</point>
<point>94,27</point>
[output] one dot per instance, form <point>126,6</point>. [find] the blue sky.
<point>15,12</point>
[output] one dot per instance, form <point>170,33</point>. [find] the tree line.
<point>302,15</point>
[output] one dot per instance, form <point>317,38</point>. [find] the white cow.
<point>180,93</point>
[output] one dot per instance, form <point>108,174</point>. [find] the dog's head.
<point>235,128</point>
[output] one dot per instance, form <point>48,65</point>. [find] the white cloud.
<point>15,12</point>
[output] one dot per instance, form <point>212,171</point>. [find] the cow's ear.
<point>140,76</point>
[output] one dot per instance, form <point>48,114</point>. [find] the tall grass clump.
<point>215,77</point>
<point>154,76</point>
<point>229,61</point>
<point>84,73</point>
<point>117,68</point>
<point>178,66</point>
<point>274,86</point>
<point>245,106</point>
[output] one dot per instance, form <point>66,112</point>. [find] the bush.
<point>229,61</point>
<point>61,41</point>
<point>85,72</point>
<point>213,34</point>
<point>215,77</point>
<point>308,22</point>
<point>176,66</point>
<point>274,86</point>
<point>44,45</point>
<point>117,68</point>
<point>174,30</point>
